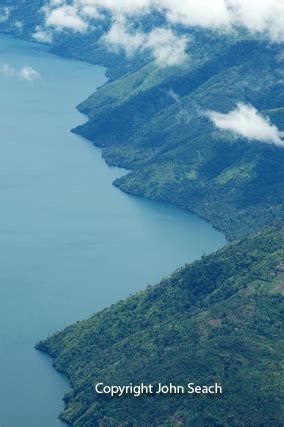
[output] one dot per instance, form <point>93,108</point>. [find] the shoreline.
<point>120,166</point>
<point>38,346</point>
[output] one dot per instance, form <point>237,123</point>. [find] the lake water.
<point>70,242</point>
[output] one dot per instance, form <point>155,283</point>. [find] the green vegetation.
<point>219,319</point>
<point>152,121</point>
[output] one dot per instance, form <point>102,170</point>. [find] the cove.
<point>70,243</point>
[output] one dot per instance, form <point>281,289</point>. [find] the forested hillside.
<point>217,320</point>
<point>154,122</point>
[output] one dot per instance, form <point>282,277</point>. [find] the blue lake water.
<point>70,242</point>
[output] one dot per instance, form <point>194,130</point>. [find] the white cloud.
<point>167,48</point>
<point>120,37</point>
<point>257,16</point>
<point>19,26</point>
<point>5,14</point>
<point>90,11</point>
<point>247,122</point>
<point>266,16</point>
<point>27,72</point>
<point>42,36</point>
<point>201,13</point>
<point>65,17</point>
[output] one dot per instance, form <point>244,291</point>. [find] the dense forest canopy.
<point>217,320</point>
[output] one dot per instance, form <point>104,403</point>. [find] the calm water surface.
<point>70,243</point>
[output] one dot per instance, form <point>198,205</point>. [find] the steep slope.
<point>217,320</point>
<point>153,122</point>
